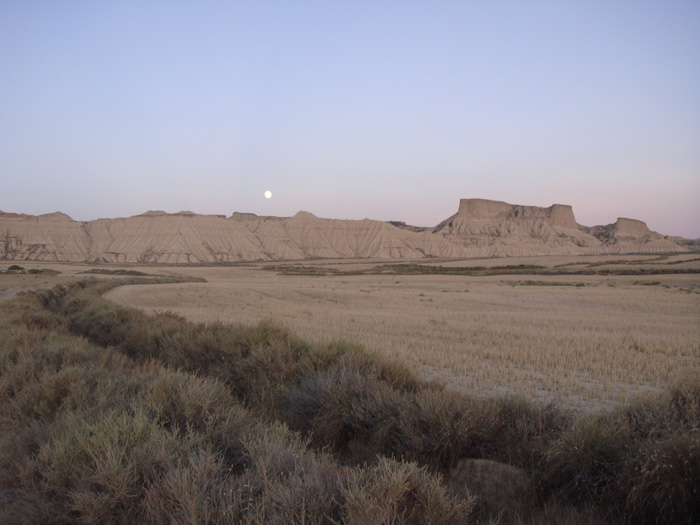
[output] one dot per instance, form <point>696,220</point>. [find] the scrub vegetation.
<point>111,415</point>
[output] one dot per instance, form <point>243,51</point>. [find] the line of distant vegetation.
<point>546,283</point>
<point>105,271</point>
<point>425,269</point>
<point>660,260</point>
<point>16,269</point>
<point>112,415</point>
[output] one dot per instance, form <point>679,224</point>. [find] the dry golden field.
<point>587,342</point>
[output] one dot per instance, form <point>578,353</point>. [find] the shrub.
<point>198,491</point>
<point>343,355</point>
<point>666,481</point>
<point>104,323</point>
<point>518,432</point>
<point>439,428</point>
<point>398,492</point>
<point>344,408</point>
<point>586,462</point>
<point>675,410</point>
<point>27,309</point>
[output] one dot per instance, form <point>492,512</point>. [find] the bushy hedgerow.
<point>89,435</point>
<point>641,463</point>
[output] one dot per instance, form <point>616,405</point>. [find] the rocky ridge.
<point>480,228</point>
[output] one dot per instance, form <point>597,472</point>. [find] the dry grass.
<point>112,416</point>
<point>586,342</point>
<point>88,435</point>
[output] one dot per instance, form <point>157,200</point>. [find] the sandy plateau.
<point>480,228</point>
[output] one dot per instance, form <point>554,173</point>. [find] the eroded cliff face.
<point>561,215</point>
<point>49,237</point>
<point>509,229</point>
<point>480,228</point>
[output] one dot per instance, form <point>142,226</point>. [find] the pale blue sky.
<point>386,110</point>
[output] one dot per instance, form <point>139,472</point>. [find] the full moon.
<point>268,194</point>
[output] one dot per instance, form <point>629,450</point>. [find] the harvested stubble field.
<point>587,332</point>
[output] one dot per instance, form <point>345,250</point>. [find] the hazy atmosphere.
<point>391,111</point>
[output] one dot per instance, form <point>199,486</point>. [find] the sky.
<point>349,110</point>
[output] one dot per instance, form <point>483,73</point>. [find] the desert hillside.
<point>480,228</point>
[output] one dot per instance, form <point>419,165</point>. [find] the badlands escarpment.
<point>480,228</point>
